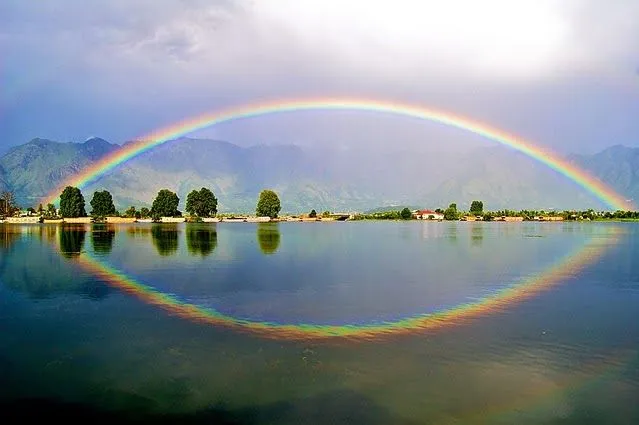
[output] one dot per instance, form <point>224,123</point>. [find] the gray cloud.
<point>556,71</point>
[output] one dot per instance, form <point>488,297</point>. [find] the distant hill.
<point>3,182</point>
<point>323,179</point>
<point>618,166</point>
<point>33,169</point>
<point>392,208</point>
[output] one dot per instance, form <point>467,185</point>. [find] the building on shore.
<point>428,215</point>
<point>548,218</point>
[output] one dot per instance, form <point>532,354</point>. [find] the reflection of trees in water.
<point>451,231</point>
<point>138,230</point>
<point>7,237</point>
<point>268,236</point>
<point>201,238</point>
<point>38,270</point>
<point>72,240</point>
<point>48,232</point>
<point>477,234</point>
<point>102,236</point>
<point>165,238</point>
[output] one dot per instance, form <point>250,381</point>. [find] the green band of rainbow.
<point>567,267</point>
<point>608,196</point>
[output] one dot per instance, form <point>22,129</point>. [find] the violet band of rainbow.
<point>601,191</point>
<point>567,267</point>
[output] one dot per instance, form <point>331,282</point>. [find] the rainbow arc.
<point>147,142</point>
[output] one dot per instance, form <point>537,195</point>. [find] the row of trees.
<point>203,203</point>
<point>199,203</point>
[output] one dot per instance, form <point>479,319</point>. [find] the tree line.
<point>199,203</point>
<point>203,203</point>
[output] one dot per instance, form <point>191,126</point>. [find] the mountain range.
<point>319,178</point>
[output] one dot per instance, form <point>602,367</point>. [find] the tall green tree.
<point>451,212</point>
<point>202,203</point>
<point>145,212</point>
<point>268,204</point>
<point>165,204</point>
<point>102,204</point>
<point>476,207</point>
<point>312,214</point>
<point>405,214</point>
<point>72,203</point>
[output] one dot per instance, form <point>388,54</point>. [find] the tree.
<point>165,204</point>
<point>145,212</point>
<point>268,205</point>
<point>7,203</point>
<point>451,212</point>
<point>326,214</point>
<point>312,214</point>
<point>476,207</point>
<point>202,203</point>
<point>40,209</point>
<point>51,211</point>
<point>72,203</point>
<point>131,212</point>
<point>405,214</point>
<point>102,204</point>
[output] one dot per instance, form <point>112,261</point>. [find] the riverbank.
<point>288,219</point>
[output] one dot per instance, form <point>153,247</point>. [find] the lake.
<point>318,323</point>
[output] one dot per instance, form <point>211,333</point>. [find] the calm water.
<point>535,323</point>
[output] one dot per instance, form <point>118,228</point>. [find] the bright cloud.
<point>521,64</point>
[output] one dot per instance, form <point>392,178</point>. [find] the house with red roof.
<point>428,215</point>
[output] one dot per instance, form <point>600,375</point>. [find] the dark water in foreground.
<point>538,323</point>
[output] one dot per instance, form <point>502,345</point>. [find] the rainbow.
<point>608,196</point>
<point>462,313</point>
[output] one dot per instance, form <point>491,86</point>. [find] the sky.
<point>563,74</point>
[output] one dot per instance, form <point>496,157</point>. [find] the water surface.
<point>562,351</point>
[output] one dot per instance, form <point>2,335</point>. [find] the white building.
<point>428,215</point>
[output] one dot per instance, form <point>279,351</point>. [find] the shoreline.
<point>178,220</point>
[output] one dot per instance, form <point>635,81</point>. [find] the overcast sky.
<point>563,73</point>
